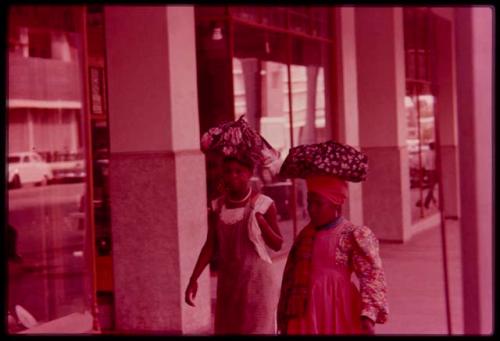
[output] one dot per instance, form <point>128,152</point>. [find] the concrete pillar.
<point>31,130</point>
<point>309,129</point>
<point>444,79</point>
<point>382,121</point>
<point>157,174</point>
<point>252,84</point>
<point>346,93</point>
<point>474,42</point>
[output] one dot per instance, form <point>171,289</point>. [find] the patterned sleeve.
<point>368,268</point>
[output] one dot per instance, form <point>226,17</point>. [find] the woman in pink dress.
<point>317,294</point>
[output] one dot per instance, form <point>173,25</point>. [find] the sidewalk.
<point>414,274</point>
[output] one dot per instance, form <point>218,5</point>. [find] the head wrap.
<point>331,187</point>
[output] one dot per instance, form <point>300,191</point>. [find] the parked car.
<point>68,167</point>
<point>27,168</point>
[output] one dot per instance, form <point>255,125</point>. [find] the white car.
<point>28,168</point>
<point>68,167</point>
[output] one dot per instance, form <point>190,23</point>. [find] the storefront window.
<point>50,246</point>
<point>280,82</point>
<point>278,78</point>
<point>419,104</point>
<point>260,86</point>
<point>310,108</point>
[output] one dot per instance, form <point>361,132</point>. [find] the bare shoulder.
<point>260,197</point>
<point>262,203</point>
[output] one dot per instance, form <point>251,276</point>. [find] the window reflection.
<point>282,90</point>
<point>99,131</point>
<point>251,71</point>
<point>260,93</point>
<point>311,123</point>
<point>421,151</point>
<point>419,104</point>
<point>48,272</point>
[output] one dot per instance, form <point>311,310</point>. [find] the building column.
<point>444,79</point>
<point>346,93</point>
<point>157,172</point>
<point>474,43</point>
<point>382,121</point>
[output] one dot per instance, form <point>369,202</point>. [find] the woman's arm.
<point>268,224</point>
<point>204,258</point>
<point>368,268</point>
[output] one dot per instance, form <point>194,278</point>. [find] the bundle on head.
<point>327,158</point>
<point>237,139</point>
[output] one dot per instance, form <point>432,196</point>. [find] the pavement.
<point>414,275</point>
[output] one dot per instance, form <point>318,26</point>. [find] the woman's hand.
<point>367,326</point>
<point>269,228</point>
<point>190,294</point>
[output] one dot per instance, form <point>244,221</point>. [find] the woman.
<point>317,295</point>
<point>242,224</point>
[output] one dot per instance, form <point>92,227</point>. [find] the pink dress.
<point>335,304</point>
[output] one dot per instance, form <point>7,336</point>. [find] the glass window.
<point>49,273</point>
<point>273,73</point>
<point>310,110</point>
<point>299,19</point>
<point>99,131</point>
<point>419,104</point>
<point>213,69</point>
<point>278,81</point>
<point>260,92</point>
<point>321,22</point>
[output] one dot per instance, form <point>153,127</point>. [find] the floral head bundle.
<point>327,158</point>
<point>238,139</point>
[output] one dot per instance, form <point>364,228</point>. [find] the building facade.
<point>114,99</point>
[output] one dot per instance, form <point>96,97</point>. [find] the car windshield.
<point>14,159</point>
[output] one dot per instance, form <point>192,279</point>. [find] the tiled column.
<point>474,51</point>
<point>346,93</point>
<point>157,174</point>
<point>382,120</point>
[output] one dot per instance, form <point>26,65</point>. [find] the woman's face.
<point>321,211</point>
<point>236,176</point>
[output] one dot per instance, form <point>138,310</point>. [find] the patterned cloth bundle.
<point>327,158</point>
<point>238,139</point>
